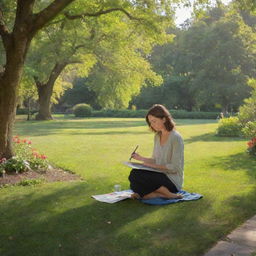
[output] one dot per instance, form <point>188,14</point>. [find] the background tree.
<point>20,21</point>
<point>53,50</point>
<point>79,93</point>
<point>208,63</point>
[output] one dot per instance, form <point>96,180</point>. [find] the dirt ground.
<point>50,175</point>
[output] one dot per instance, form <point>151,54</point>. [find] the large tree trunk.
<point>45,91</point>
<point>44,101</point>
<point>9,81</point>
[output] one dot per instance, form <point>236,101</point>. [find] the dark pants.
<point>144,182</point>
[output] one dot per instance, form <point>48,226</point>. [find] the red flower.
<point>43,156</point>
<point>250,144</point>
<point>29,142</point>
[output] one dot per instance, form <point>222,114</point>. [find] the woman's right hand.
<point>137,156</point>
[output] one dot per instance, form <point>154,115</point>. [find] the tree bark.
<point>45,91</point>
<point>9,81</point>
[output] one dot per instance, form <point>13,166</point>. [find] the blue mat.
<point>162,201</point>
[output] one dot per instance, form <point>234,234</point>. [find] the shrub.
<point>229,127</point>
<point>16,164</point>
<point>82,110</point>
<point>249,130</point>
<point>176,114</point>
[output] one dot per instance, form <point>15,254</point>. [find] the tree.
<point>53,50</point>
<point>79,93</point>
<point>213,60</point>
<point>18,28</point>
<point>16,41</point>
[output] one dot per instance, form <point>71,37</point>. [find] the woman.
<point>168,158</point>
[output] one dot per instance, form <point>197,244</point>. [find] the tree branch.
<point>42,18</point>
<point>3,28</point>
<point>102,12</point>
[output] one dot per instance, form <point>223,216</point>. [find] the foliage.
<point>249,129</point>
<point>79,93</point>
<point>229,127</point>
<point>179,114</point>
<point>26,158</point>
<point>118,43</point>
<point>247,112</point>
<point>82,110</point>
<point>252,146</point>
<point>207,64</point>
<point>16,164</point>
<point>30,182</point>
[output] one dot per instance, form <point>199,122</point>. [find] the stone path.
<point>241,242</point>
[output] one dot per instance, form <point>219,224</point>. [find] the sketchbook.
<point>114,196</point>
<point>140,166</point>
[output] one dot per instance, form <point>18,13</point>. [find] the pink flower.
<point>29,142</point>
<point>2,160</point>
<point>43,156</point>
<point>35,154</point>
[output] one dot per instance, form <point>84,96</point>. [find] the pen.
<point>133,152</point>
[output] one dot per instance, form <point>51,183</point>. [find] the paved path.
<point>241,242</point>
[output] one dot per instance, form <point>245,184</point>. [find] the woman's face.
<point>157,123</point>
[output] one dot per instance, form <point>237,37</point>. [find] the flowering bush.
<point>25,158</point>
<point>252,146</point>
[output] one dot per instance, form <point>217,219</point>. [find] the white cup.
<point>117,188</point>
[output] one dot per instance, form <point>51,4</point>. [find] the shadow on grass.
<point>244,205</point>
<point>48,225</point>
<point>37,128</point>
<point>240,161</point>
<point>211,137</point>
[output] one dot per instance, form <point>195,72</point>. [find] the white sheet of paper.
<point>140,166</point>
<point>113,197</point>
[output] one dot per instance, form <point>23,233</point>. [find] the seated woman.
<point>168,158</point>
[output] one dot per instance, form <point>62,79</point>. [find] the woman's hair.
<point>160,111</point>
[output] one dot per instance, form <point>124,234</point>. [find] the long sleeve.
<point>176,162</point>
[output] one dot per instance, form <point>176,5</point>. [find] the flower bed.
<point>252,146</point>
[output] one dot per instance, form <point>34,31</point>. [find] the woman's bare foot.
<point>135,196</point>
<point>178,196</point>
<point>164,193</point>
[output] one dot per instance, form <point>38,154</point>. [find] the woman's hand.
<point>137,156</point>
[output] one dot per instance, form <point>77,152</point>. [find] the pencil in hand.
<point>134,151</point>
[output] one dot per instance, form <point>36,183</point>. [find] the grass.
<point>62,219</point>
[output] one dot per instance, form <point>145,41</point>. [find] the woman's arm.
<point>138,157</point>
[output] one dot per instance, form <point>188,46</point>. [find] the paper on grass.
<point>114,196</point>
<point>140,166</point>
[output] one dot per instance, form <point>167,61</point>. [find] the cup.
<point>117,188</point>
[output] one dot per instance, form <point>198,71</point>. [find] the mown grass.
<point>62,218</point>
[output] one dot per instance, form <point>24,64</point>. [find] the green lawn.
<point>62,219</point>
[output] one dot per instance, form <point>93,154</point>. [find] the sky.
<point>185,13</point>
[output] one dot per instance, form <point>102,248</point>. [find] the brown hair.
<point>161,111</point>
